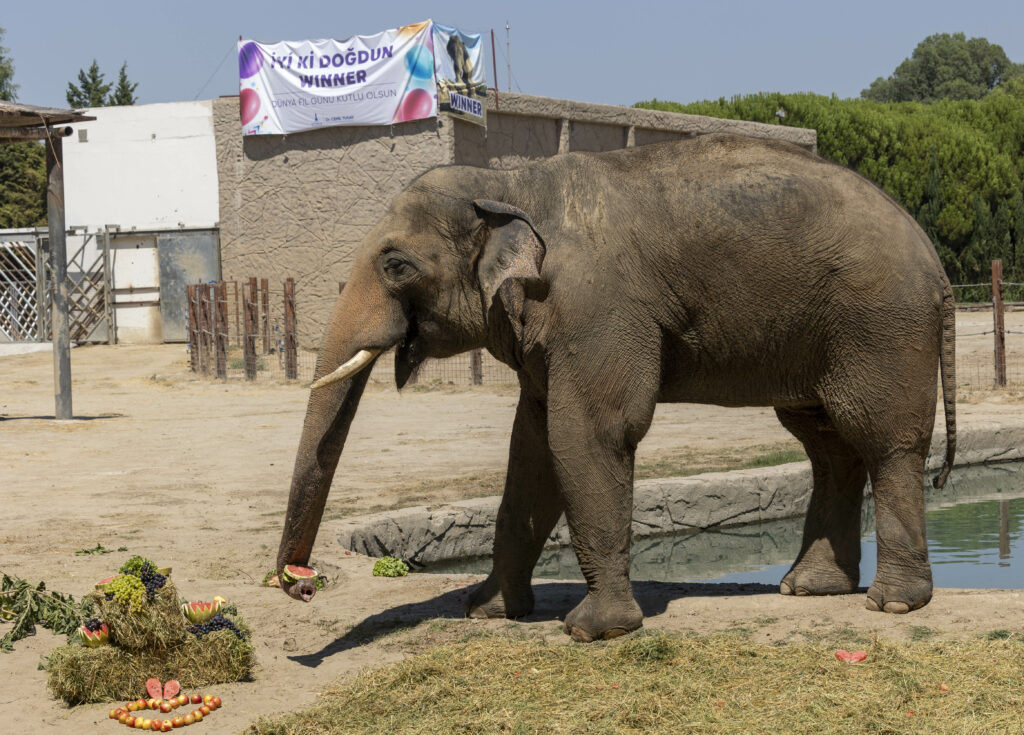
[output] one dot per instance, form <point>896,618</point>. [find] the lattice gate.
<point>26,282</point>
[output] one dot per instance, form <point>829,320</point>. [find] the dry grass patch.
<point>660,683</point>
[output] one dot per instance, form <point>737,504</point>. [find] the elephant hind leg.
<point>829,558</point>
<point>530,508</point>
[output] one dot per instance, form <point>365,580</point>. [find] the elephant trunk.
<point>364,320</point>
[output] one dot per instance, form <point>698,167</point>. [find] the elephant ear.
<point>511,256</point>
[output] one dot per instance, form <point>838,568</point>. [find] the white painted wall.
<point>143,166</point>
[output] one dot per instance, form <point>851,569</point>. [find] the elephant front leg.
<point>593,447</point>
<point>530,508</point>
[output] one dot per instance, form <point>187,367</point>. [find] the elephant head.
<point>442,273</point>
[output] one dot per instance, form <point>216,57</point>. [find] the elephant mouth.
<point>409,354</point>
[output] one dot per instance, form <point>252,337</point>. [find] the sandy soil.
<point>194,474</point>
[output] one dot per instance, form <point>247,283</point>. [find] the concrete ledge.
<point>529,105</point>
<point>424,535</point>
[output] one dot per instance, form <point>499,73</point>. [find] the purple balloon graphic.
<point>249,105</point>
<point>250,60</point>
<point>416,105</point>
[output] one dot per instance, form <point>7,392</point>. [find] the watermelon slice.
<point>104,582</point>
<point>171,689</point>
<point>154,688</point>
<point>293,573</point>
<point>93,638</point>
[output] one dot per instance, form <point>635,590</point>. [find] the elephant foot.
<point>898,597</point>
<point>488,601</point>
<point>805,580</point>
<point>603,618</point>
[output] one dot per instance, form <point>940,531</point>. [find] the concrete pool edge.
<point>465,528</point>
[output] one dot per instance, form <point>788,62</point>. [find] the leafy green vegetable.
<point>29,605</point>
<point>389,566</point>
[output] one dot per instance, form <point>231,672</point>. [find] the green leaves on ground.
<point>389,566</point>
<point>27,606</point>
<point>99,549</point>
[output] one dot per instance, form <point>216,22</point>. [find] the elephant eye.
<point>398,268</point>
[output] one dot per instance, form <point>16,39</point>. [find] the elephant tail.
<point>947,371</point>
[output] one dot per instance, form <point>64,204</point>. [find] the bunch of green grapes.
<point>129,591</point>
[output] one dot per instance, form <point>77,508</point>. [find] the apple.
<point>113,714</point>
<point>131,706</point>
<point>123,718</point>
<point>141,723</point>
<point>178,721</point>
<point>197,698</point>
<point>166,707</point>
<point>182,699</point>
<point>207,699</point>
<point>130,722</point>
<point>205,709</point>
<point>155,726</point>
<point>198,714</point>
<point>217,702</point>
<point>166,726</point>
<point>188,719</point>
<point>140,703</point>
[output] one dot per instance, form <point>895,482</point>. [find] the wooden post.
<point>265,317</point>
<point>997,318</point>
<point>238,317</point>
<point>204,327</point>
<point>193,331</point>
<point>220,293</point>
<point>59,268</point>
<point>249,342</point>
<point>476,367</point>
<point>291,355</point>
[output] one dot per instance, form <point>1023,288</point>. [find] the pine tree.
<point>8,89</point>
<point>91,90</point>
<point>124,92</point>
<point>22,166</point>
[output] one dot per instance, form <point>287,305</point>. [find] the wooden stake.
<point>998,328</point>
<point>291,354</point>
<point>476,367</point>
<point>265,316</point>
<point>220,296</point>
<point>249,342</point>
<point>193,330</point>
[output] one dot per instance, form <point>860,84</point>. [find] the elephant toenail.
<point>871,605</point>
<point>899,608</point>
<point>785,588</point>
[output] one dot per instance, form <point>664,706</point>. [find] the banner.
<point>364,80</point>
<point>459,68</point>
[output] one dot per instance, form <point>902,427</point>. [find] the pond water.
<point>975,540</point>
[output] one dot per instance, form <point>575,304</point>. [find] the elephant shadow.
<point>552,601</point>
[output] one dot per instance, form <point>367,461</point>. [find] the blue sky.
<point>597,51</point>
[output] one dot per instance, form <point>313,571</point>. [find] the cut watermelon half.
<point>200,612</point>
<point>154,688</point>
<point>293,573</point>
<point>171,689</point>
<point>93,638</point>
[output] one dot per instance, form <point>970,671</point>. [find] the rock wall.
<point>713,500</point>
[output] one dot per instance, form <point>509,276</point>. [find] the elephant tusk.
<point>348,369</point>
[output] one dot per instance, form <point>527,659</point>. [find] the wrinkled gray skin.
<point>719,269</point>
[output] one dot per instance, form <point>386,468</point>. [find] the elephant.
<point>716,269</point>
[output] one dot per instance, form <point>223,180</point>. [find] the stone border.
<point>424,535</point>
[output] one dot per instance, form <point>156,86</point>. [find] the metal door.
<point>184,257</point>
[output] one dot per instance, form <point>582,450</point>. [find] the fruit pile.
<point>139,616</point>
<point>125,714</point>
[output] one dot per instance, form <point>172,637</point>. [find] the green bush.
<point>389,566</point>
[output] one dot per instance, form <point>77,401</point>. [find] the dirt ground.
<point>194,474</point>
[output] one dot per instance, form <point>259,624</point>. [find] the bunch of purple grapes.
<point>93,624</point>
<point>217,622</point>
<point>152,580</point>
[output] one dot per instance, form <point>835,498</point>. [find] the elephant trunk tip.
<point>303,590</point>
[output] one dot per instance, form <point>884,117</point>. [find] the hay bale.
<point>79,675</point>
<point>158,625</point>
